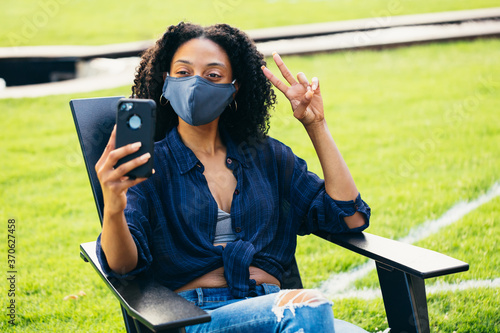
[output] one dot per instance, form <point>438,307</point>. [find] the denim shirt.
<point>172,216</point>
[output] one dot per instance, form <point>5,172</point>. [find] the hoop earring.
<point>235,106</point>
<point>165,103</point>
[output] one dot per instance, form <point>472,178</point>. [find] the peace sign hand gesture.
<point>304,96</point>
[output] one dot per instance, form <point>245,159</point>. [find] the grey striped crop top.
<point>223,231</point>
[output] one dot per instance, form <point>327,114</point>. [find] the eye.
<point>214,76</point>
<point>182,73</point>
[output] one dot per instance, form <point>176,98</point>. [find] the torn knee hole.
<point>299,297</point>
<point>292,299</point>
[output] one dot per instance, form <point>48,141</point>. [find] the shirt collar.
<point>187,160</point>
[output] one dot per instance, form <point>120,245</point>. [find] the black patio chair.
<point>148,306</point>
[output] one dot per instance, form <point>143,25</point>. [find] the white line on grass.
<point>338,283</point>
<point>454,214</point>
<point>369,294</point>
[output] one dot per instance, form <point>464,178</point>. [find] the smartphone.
<point>135,121</point>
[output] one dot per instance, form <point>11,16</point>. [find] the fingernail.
<point>274,52</point>
<point>137,145</point>
<point>145,156</point>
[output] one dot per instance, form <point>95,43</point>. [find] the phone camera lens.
<point>126,106</point>
<point>134,122</point>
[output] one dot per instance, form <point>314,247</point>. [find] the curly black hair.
<point>255,95</point>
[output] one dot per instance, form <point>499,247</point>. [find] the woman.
<point>218,220</point>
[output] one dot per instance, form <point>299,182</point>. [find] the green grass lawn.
<point>90,22</point>
<point>473,239</point>
<point>418,127</point>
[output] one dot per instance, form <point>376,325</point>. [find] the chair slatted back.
<point>94,120</point>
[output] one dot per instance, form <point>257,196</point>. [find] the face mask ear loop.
<point>161,96</point>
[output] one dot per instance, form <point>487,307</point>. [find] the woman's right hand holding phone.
<point>116,239</point>
<point>114,182</point>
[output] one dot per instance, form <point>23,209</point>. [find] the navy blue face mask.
<point>197,100</point>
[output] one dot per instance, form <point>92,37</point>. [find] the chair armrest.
<point>147,301</point>
<point>408,258</point>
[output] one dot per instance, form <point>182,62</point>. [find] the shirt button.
<point>356,207</point>
<point>238,229</point>
<point>229,161</point>
<point>236,191</point>
<point>198,165</point>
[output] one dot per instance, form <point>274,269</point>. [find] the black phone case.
<point>127,132</point>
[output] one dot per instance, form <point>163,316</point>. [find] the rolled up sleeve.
<point>341,209</point>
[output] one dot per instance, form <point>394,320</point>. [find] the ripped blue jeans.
<point>267,309</point>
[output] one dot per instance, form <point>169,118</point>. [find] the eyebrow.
<point>210,64</point>
<point>216,64</point>
<point>184,61</point>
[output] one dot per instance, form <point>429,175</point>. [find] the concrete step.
<point>382,38</point>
